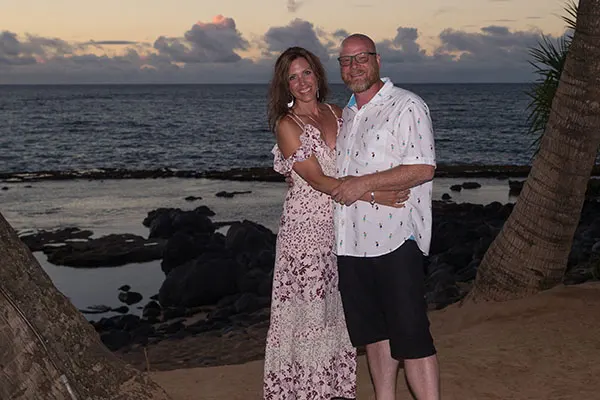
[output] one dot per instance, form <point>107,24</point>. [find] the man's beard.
<point>364,83</point>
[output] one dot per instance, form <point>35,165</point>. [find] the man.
<point>386,143</point>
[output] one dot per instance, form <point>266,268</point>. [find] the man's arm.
<point>402,177</point>
<point>418,159</point>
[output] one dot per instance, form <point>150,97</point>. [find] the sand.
<point>542,347</point>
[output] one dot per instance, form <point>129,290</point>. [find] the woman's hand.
<point>392,198</point>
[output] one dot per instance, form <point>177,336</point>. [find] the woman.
<point>308,353</point>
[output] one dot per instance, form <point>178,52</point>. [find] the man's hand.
<point>394,199</point>
<point>350,190</point>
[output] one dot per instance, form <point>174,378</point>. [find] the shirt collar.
<point>379,97</point>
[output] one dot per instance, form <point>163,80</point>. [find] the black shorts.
<point>384,299</point>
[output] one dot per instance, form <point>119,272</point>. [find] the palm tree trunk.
<point>47,349</point>
<point>531,252</point>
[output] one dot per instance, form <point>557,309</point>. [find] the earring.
<point>317,93</point>
<point>291,103</point>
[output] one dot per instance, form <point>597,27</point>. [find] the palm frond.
<point>548,60</point>
<point>549,57</point>
<point>571,18</point>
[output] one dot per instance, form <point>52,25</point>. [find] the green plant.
<point>548,60</point>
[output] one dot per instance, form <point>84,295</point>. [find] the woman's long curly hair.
<point>279,90</point>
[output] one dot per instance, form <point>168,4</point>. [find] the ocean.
<point>219,127</point>
<point>199,128</point>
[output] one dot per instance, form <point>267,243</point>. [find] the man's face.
<point>359,77</point>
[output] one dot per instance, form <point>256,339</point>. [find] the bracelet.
<point>372,198</point>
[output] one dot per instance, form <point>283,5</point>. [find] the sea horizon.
<point>336,82</point>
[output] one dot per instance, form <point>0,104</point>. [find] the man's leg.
<point>423,376</point>
<point>401,283</point>
<point>365,320</point>
<point>383,369</point>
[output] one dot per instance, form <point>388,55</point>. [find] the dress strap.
<point>333,112</point>
<point>296,119</point>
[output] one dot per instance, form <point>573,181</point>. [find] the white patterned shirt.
<point>393,128</point>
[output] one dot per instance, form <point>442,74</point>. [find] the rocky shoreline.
<point>265,174</point>
<point>217,286</point>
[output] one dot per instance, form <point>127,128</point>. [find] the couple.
<point>349,272</point>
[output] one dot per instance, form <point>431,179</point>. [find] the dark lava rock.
<point>99,309</point>
<point>193,198</point>
<point>165,222</point>
<point>202,281</point>
<point>173,312</point>
<point>107,251</point>
<point>230,194</point>
<point>152,309</point>
<point>248,303</point>
<point>185,246</point>
<point>130,298</point>
<point>471,185</point>
<point>38,240</point>
<point>248,236</point>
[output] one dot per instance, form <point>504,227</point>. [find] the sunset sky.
<point>236,41</point>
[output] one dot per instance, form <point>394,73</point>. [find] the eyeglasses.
<point>360,58</point>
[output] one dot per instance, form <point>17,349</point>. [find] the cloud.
<point>402,48</point>
<point>493,42</point>
<point>296,33</point>
<point>216,52</point>
<point>496,30</point>
<point>293,5</point>
<point>204,42</point>
<point>493,54</point>
<point>340,34</point>
<point>33,49</point>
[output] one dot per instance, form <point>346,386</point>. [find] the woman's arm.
<point>288,140</point>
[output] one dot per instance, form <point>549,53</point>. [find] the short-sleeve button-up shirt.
<point>393,128</point>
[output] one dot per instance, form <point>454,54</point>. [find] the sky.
<point>238,41</point>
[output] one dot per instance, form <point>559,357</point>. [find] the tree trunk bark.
<point>47,349</point>
<point>531,252</point>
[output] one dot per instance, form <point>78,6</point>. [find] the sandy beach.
<point>541,347</point>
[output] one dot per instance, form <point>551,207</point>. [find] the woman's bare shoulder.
<point>287,126</point>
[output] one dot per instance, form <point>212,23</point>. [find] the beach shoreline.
<point>264,174</point>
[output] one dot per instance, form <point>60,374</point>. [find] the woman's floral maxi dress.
<point>308,353</point>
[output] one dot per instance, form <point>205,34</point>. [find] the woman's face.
<point>302,80</point>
